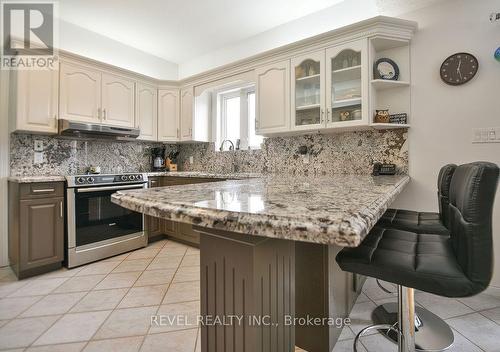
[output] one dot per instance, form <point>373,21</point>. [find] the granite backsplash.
<point>343,153</point>
<point>65,156</point>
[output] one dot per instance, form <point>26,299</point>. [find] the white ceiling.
<point>178,30</point>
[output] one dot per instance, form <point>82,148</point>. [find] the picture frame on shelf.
<point>385,68</point>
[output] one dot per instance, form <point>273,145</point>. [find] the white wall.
<point>4,165</point>
<point>444,116</point>
<point>83,42</point>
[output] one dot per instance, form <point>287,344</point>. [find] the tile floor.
<point>107,306</point>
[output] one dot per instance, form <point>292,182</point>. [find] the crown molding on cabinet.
<point>380,25</point>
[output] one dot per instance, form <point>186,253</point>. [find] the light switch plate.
<point>38,145</point>
<point>486,135</point>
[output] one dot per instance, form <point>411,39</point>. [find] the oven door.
<point>97,219</point>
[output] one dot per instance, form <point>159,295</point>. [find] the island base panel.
<point>322,290</point>
<point>249,277</point>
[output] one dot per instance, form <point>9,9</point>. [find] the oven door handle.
<point>110,188</point>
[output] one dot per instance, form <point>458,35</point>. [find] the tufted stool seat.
<point>425,261</point>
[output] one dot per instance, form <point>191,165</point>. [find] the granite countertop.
<point>35,179</point>
<point>58,178</point>
<point>232,176</point>
<point>338,209</point>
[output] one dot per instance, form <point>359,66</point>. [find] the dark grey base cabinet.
<point>36,227</point>
<point>157,228</point>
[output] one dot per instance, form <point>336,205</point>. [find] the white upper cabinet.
<point>35,93</point>
<point>146,113</point>
<point>347,84</point>
<point>308,91</point>
<point>118,100</point>
<point>168,115</point>
<point>80,93</point>
<point>273,98</point>
<point>187,113</point>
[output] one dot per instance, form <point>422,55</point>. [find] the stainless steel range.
<point>98,228</point>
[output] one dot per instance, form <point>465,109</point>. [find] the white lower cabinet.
<point>168,115</point>
<point>118,96</point>
<point>147,112</point>
<point>273,98</point>
<point>34,101</point>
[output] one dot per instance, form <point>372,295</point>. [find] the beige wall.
<point>444,116</point>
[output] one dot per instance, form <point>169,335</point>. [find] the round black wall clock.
<point>459,68</point>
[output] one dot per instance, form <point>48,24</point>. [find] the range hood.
<point>82,129</point>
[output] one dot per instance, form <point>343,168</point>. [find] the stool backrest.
<point>444,182</point>
<point>472,194</point>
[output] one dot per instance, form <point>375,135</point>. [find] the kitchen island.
<point>267,250</point>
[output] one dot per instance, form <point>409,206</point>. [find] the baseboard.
<point>493,291</point>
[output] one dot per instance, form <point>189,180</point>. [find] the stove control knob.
<point>124,178</point>
<point>80,180</point>
<point>138,177</point>
<point>131,177</point>
<point>90,179</point>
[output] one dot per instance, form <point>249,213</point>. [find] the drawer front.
<point>42,190</point>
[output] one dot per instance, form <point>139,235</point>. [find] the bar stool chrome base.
<point>432,333</point>
<point>404,328</point>
<point>386,327</point>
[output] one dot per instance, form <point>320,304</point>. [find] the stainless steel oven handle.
<point>111,188</point>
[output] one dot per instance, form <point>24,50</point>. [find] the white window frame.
<point>219,112</point>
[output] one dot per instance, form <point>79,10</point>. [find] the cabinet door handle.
<point>61,209</point>
<point>98,113</point>
<point>322,115</point>
<point>327,115</point>
<point>104,114</point>
<point>178,133</point>
<point>44,190</point>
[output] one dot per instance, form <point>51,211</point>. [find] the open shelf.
<point>386,126</point>
<point>381,84</point>
<point>346,102</point>
<point>307,107</point>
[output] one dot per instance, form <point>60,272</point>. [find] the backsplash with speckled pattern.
<point>343,153</point>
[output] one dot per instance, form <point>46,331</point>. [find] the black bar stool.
<point>424,222</point>
<point>433,333</point>
<point>455,266</point>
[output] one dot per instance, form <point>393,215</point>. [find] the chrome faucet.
<point>224,141</point>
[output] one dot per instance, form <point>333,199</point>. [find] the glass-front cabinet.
<point>347,84</point>
<point>308,91</point>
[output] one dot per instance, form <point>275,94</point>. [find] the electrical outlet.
<point>191,160</point>
<point>38,147</point>
<point>306,158</point>
<point>39,156</point>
